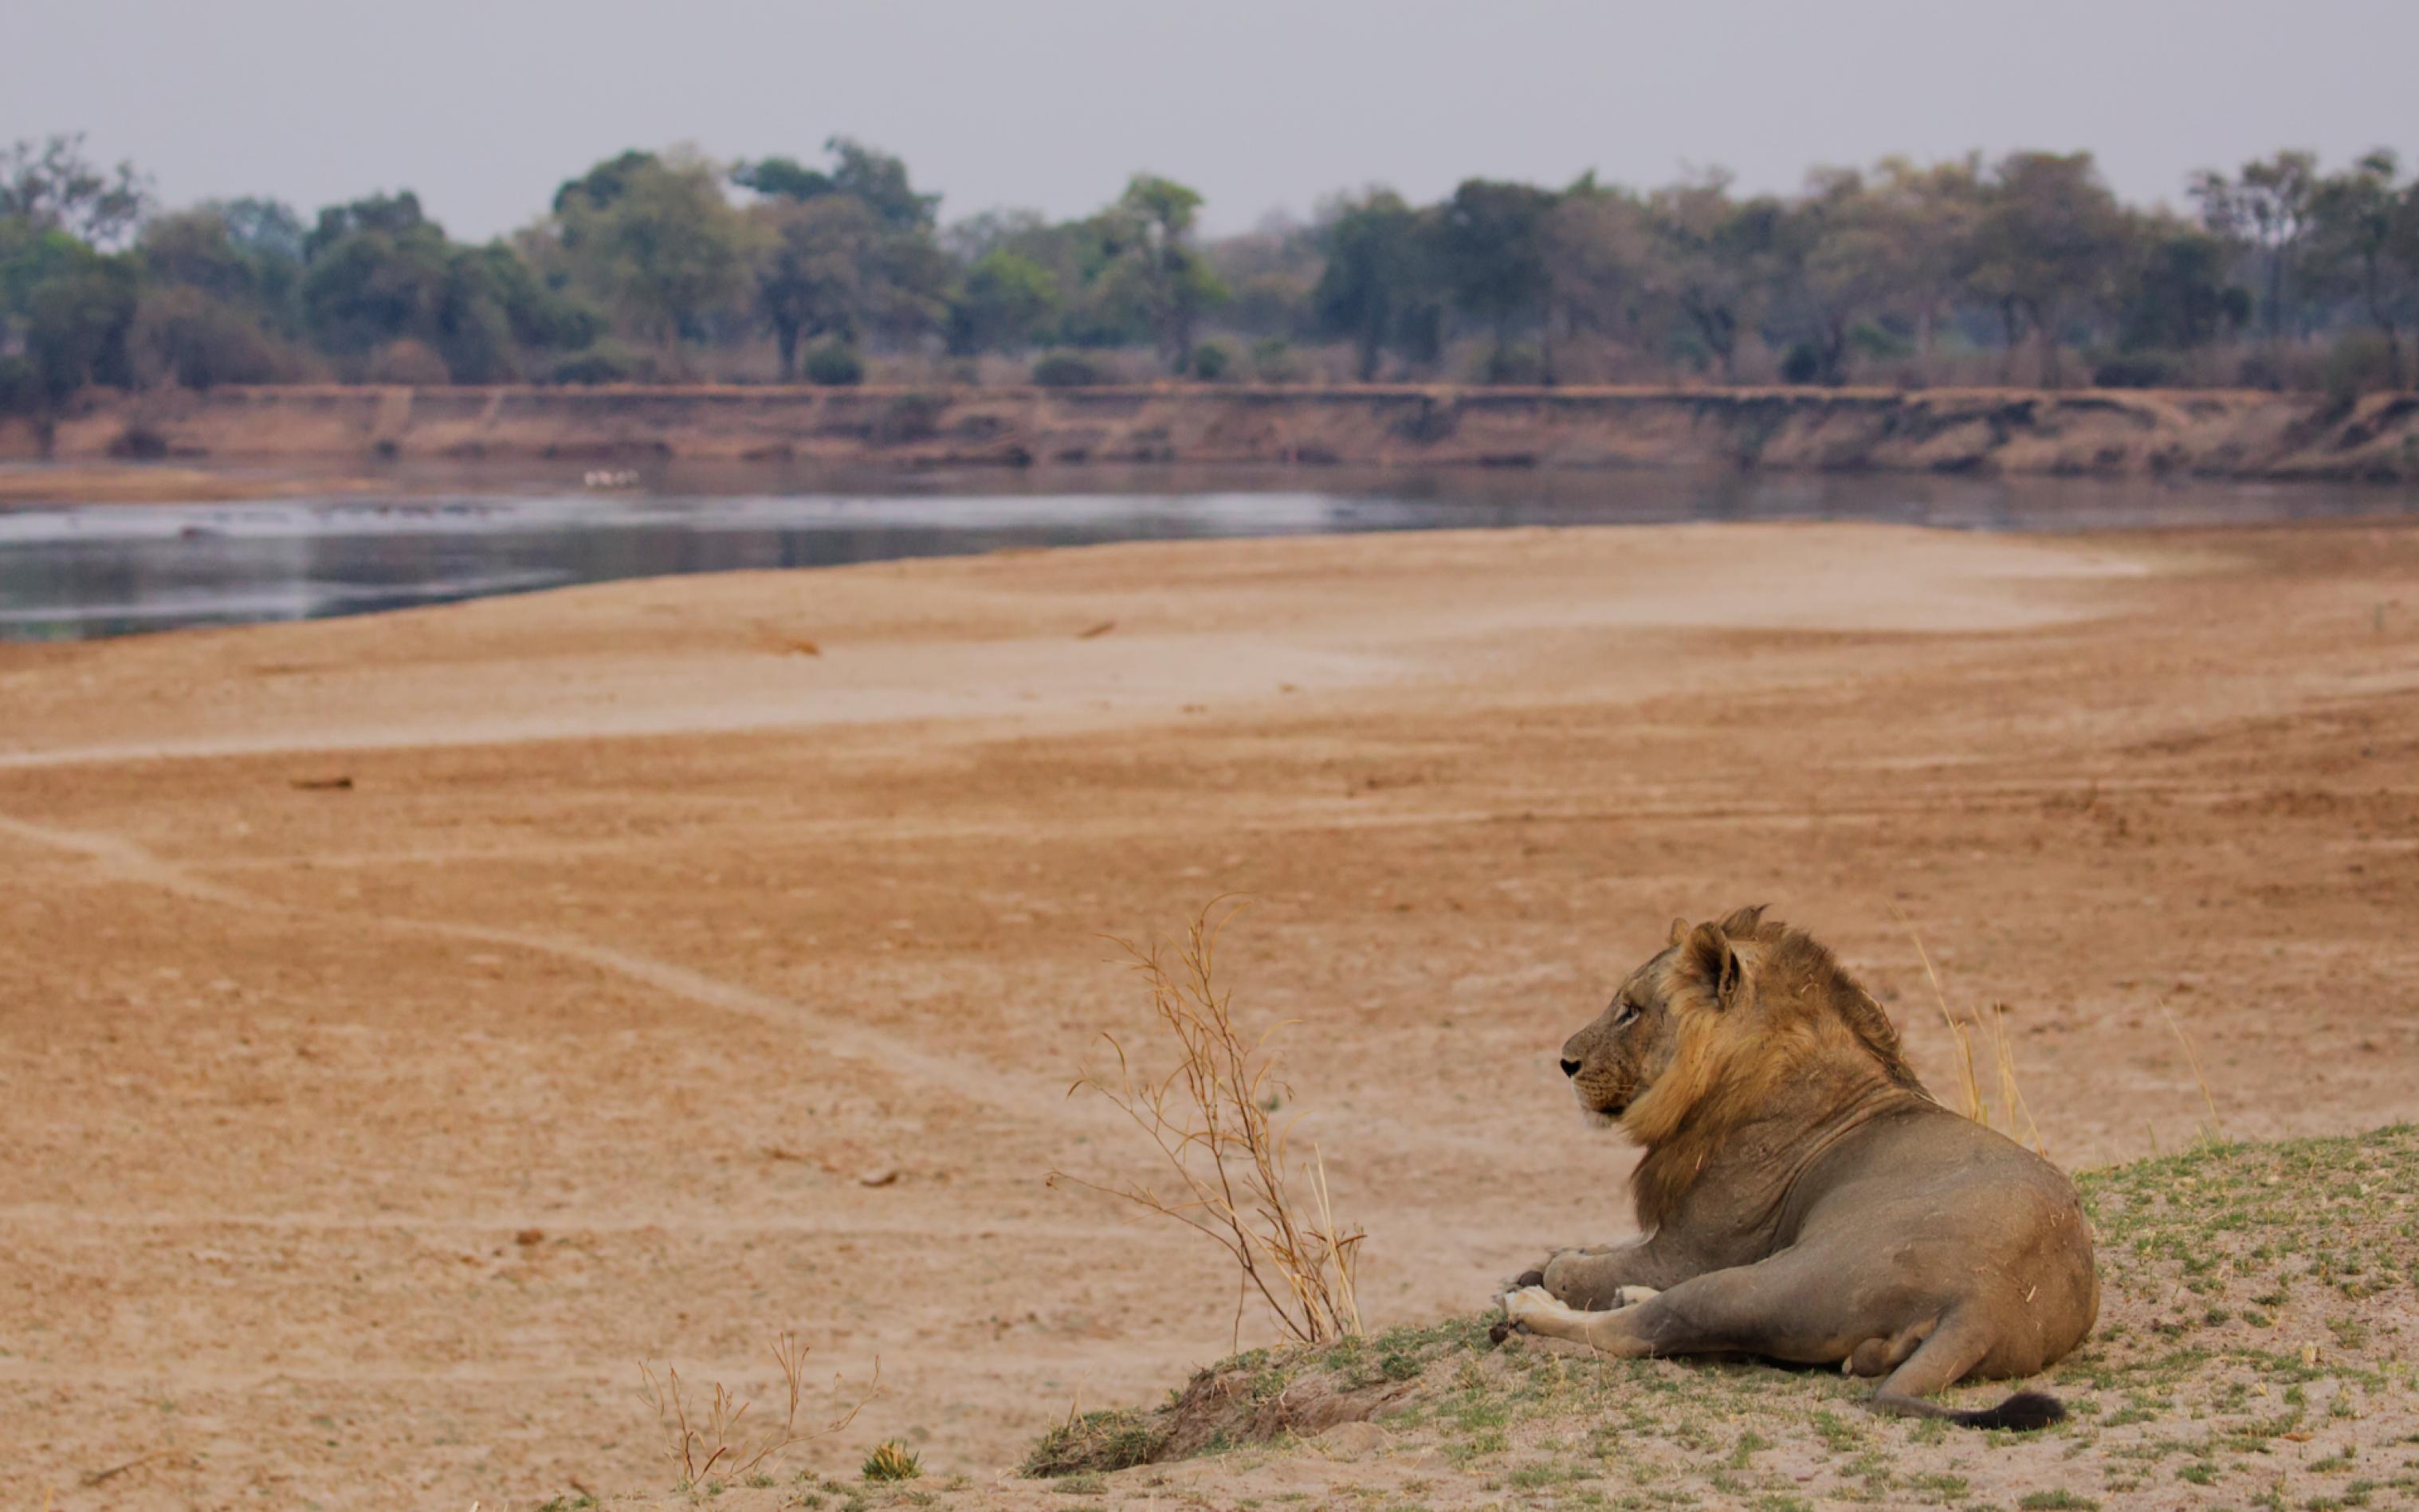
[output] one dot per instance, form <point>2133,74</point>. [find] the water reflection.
<point>78,572</point>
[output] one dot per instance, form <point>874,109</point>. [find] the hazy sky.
<point>484,105</point>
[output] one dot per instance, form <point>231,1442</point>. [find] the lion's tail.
<point>2027,1411</point>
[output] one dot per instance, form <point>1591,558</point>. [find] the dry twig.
<point>1210,1119</point>
<point>701,1440</point>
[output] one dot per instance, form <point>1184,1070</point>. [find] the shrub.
<point>1210,361</point>
<point>184,335</point>
<point>21,385</point>
<point>2137,370</point>
<point>1068,370</point>
<point>892,1460</point>
<point>834,364</point>
<point>1273,361</point>
<point>605,360</point>
<point>406,360</point>
<point>1211,1121</point>
<point>2357,364</point>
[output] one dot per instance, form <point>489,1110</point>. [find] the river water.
<point>81,571</point>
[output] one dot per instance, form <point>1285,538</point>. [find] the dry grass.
<point>1211,1118</point>
<point>710,1437</point>
<point>2012,1116</point>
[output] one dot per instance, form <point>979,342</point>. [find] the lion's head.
<point>1715,1020</point>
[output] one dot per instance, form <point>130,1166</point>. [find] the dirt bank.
<point>2114,434</point>
<point>409,1023</point>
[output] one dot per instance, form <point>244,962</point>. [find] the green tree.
<point>880,180</point>
<point>2266,207</point>
<point>69,307</point>
<point>2048,246</point>
<point>1380,270</point>
<point>781,179</point>
<point>1151,266</point>
<point>2366,235</point>
<point>1713,257</point>
<point>1595,254</point>
<point>1493,247</point>
<point>1004,304</point>
<point>811,270</point>
<point>655,238</point>
<point>51,186</point>
<point>2178,293</point>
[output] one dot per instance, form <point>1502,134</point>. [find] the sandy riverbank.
<point>409,1023</point>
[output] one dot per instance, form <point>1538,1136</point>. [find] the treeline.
<point>668,267</point>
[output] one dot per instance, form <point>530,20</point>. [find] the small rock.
<point>529,1236</point>
<point>880,1176</point>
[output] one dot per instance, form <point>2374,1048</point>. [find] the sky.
<point>484,106</point>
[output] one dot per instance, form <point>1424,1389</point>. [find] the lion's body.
<point>1804,1197</point>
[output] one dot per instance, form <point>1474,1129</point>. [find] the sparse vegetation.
<point>703,1439</point>
<point>891,1460</point>
<point>2239,1347</point>
<point>1210,1119</point>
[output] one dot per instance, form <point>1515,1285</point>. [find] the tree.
<point>2048,246</point>
<point>811,271</point>
<point>1595,253</point>
<point>1004,304</point>
<point>1494,253</point>
<point>2366,235</point>
<point>2176,293</point>
<point>1712,261</point>
<point>657,239</point>
<point>1380,270</point>
<point>880,180</point>
<point>781,179</point>
<point>1924,225</point>
<point>2267,207</point>
<point>375,273</point>
<point>69,307</point>
<point>1151,266</point>
<point>52,187</point>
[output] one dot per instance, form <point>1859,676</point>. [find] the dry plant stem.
<point>699,1446</point>
<point>2013,1113</point>
<point>2217,1130</point>
<point>1210,1120</point>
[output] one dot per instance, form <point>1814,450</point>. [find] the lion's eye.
<point>1628,1013</point>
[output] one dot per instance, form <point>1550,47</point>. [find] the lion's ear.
<point>1679,931</point>
<point>1742,923</point>
<point>1708,953</point>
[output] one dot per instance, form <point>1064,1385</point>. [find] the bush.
<point>406,360</point>
<point>834,364</point>
<point>1514,364</point>
<point>1210,361</point>
<point>2357,364</point>
<point>184,335</point>
<point>21,386</point>
<point>1068,370</point>
<point>1802,364</point>
<point>1272,361</point>
<point>2137,370</point>
<point>603,361</point>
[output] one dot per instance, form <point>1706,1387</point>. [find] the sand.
<point>409,1025</point>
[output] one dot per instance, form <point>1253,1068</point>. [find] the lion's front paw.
<point>1526,1306</point>
<point>1632,1296</point>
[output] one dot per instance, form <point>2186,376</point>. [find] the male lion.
<point>1802,1196</point>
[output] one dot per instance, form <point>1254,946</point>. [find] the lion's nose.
<point>1570,1068</point>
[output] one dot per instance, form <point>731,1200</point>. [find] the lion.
<point>1802,1197</point>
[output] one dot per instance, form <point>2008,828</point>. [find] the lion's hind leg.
<point>1945,1359</point>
